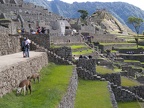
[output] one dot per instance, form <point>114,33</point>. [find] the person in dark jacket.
<point>23,47</point>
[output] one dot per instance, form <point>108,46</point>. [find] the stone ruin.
<point>86,69</point>
<point>28,16</point>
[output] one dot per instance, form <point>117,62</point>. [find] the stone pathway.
<point>8,60</point>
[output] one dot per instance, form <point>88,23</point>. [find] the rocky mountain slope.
<point>120,10</point>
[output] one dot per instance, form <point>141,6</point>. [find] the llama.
<point>34,76</point>
<point>24,86</point>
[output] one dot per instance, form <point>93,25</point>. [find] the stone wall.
<point>66,39</point>
<point>122,95</point>
<point>133,51</point>
<point>139,57</point>
<point>86,69</point>
<point>64,54</point>
<point>9,44</point>
<point>125,94</point>
<point>4,30</point>
<point>112,96</point>
<point>87,65</point>
<point>87,29</point>
<point>12,75</point>
<point>42,40</point>
<point>112,46</point>
<point>68,99</point>
<point>129,71</point>
<point>113,78</point>
<point>106,38</point>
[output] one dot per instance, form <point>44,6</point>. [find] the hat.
<point>24,38</point>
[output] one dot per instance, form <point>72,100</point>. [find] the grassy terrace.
<point>92,94</point>
<point>131,61</point>
<point>134,47</point>
<point>78,46</point>
<point>129,105</point>
<point>104,70</point>
<point>83,52</point>
<point>72,46</point>
<point>115,43</point>
<point>80,50</point>
<point>46,94</point>
<point>128,82</point>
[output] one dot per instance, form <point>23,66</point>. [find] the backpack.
<point>23,46</point>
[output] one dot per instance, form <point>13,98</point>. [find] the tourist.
<point>27,47</point>
<point>22,30</point>
<point>38,30</point>
<point>43,30</point>
<point>23,47</point>
<point>33,32</point>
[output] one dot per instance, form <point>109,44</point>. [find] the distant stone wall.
<point>12,75</point>
<point>106,38</point>
<point>66,39</point>
<point>125,94</point>
<point>63,52</point>
<point>88,29</point>
<point>131,51</point>
<point>129,71</point>
<point>9,44</point>
<point>139,57</point>
<point>112,46</point>
<point>68,99</point>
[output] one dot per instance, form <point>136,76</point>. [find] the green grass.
<point>46,94</point>
<point>131,61</point>
<point>92,94</point>
<point>83,52</point>
<point>114,43</point>
<point>134,47</point>
<point>128,82</point>
<point>73,47</point>
<point>103,70</point>
<point>78,46</point>
<point>128,105</point>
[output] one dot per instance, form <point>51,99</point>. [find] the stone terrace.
<point>14,68</point>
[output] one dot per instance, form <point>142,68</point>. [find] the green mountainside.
<point>120,10</point>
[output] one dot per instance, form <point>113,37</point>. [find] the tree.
<point>84,14</point>
<point>136,23</point>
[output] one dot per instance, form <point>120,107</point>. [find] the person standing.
<point>27,46</point>
<point>23,47</point>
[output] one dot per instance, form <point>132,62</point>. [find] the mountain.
<point>120,10</point>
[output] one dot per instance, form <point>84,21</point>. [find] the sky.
<point>138,3</point>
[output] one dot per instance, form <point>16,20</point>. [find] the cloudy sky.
<point>138,3</point>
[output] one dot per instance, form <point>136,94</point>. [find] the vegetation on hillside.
<point>84,14</point>
<point>136,23</point>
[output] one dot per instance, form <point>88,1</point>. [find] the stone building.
<point>30,16</point>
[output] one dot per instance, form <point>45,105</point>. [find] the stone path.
<point>11,59</point>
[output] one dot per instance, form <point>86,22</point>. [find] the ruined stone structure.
<point>118,92</point>
<point>30,16</point>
